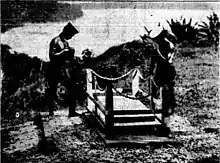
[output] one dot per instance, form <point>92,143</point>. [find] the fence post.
<point>151,85</point>
<point>109,123</point>
<point>96,108</point>
<point>136,81</point>
<point>89,88</point>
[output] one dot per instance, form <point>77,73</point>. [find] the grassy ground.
<point>197,84</point>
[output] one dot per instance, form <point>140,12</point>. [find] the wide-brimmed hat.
<point>70,29</point>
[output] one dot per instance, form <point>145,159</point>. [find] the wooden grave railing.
<point>105,113</point>
<point>98,107</point>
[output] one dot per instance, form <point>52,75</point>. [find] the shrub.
<point>209,32</point>
<point>22,76</point>
<point>185,32</point>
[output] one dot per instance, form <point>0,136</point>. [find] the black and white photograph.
<point>108,81</point>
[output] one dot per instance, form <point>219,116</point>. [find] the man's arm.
<point>64,54</point>
<point>65,50</point>
<point>60,48</point>
<point>59,53</point>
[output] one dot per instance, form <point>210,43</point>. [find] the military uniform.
<point>62,68</point>
<point>164,72</point>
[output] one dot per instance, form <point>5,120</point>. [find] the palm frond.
<point>190,21</point>
<point>184,21</point>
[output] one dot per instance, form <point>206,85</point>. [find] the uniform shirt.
<point>57,46</point>
<point>61,61</point>
<point>65,62</point>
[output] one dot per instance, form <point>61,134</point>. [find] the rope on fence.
<point>121,77</point>
<point>133,98</point>
<point>113,79</point>
<point>130,97</point>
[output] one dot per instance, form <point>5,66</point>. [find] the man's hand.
<point>87,55</point>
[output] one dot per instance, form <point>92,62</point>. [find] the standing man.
<point>62,68</point>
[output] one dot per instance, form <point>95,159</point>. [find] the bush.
<point>23,79</point>
<point>185,32</point>
<point>209,32</point>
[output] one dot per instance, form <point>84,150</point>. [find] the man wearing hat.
<point>62,67</point>
<point>163,70</point>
